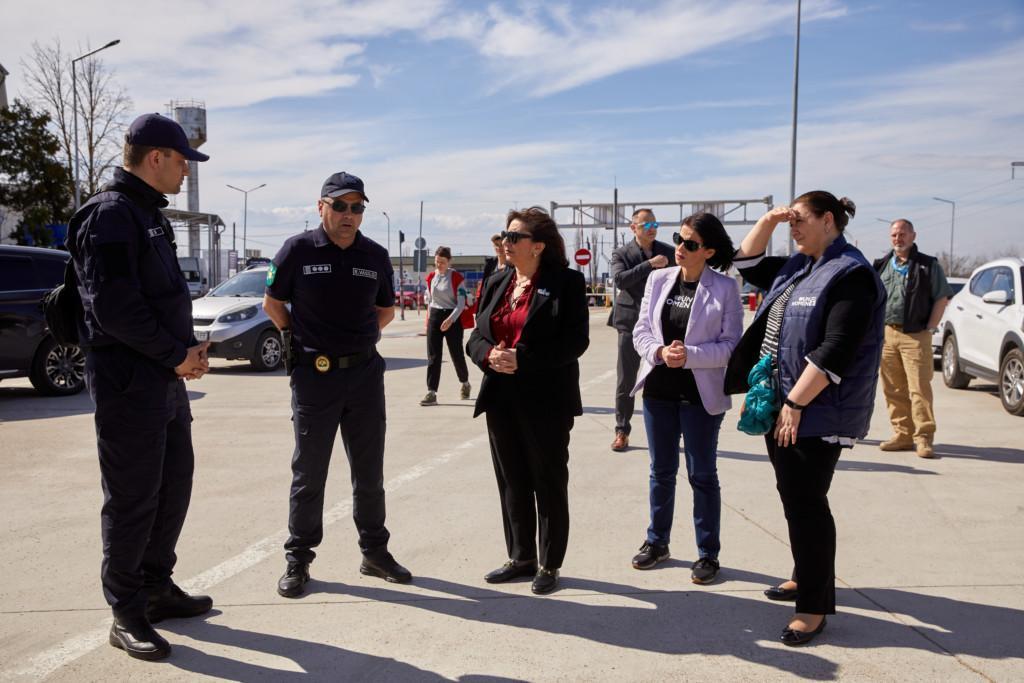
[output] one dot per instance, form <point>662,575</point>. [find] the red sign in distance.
<point>582,256</point>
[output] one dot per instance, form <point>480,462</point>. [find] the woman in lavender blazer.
<point>690,322</point>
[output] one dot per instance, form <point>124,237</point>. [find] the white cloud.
<point>230,54</point>
<point>549,49</point>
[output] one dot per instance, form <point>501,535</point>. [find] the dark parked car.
<point>26,347</point>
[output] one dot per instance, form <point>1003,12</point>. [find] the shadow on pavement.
<point>716,623</point>
<point>844,464</point>
<point>316,660</point>
<point>24,403</point>
<point>404,363</point>
<point>948,450</point>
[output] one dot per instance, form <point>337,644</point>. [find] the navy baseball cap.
<point>342,183</point>
<point>153,130</point>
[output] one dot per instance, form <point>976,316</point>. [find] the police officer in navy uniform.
<point>339,284</point>
<point>137,336</point>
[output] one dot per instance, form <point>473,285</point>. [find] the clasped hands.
<point>196,363</point>
<point>503,359</point>
<point>674,354</point>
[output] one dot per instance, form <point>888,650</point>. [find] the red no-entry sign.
<point>582,256</point>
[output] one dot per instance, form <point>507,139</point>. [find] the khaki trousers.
<point>907,383</point>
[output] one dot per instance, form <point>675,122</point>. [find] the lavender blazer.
<point>714,329</point>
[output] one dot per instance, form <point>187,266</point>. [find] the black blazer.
<point>556,333</point>
<point>630,269</point>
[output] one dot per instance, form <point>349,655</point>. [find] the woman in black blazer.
<point>532,326</point>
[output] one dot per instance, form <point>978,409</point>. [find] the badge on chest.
<point>319,269</point>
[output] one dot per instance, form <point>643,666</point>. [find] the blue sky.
<point>475,108</point>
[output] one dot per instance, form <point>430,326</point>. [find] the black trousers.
<point>144,438</point>
<point>803,474</point>
<point>453,337</point>
<point>351,399</point>
<point>530,452</point>
<point>626,369</point>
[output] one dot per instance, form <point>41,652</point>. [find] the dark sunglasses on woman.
<point>342,207</point>
<point>688,245</point>
<point>514,237</point>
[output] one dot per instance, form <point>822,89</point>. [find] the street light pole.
<point>245,214</point>
<point>74,109</point>
<point>796,98</point>
<point>1013,168</point>
<point>389,230</point>
<point>952,227</point>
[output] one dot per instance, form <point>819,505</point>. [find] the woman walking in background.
<point>446,298</point>
<point>690,322</point>
<point>819,330</point>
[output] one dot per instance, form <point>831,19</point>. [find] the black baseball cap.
<point>154,130</point>
<point>342,183</point>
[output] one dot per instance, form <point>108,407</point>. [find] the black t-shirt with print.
<point>674,384</point>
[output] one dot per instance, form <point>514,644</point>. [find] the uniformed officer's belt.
<point>322,362</point>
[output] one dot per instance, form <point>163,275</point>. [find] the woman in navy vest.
<point>821,325</point>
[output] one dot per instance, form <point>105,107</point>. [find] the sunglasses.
<point>341,207</point>
<point>513,237</point>
<point>688,245</point>
<point>649,225</point>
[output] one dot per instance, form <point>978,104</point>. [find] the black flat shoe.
<point>138,638</point>
<point>545,581</point>
<point>174,603</point>
<point>511,570</point>
<point>780,594</point>
<point>385,566</point>
<point>793,638</point>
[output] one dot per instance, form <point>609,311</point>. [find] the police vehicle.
<point>232,319</point>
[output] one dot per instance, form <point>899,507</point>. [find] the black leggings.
<point>454,339</point>
<point>803,474</point>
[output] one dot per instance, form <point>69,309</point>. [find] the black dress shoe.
<point>512,570</point>
<point>292,583</point>
<point>174,603</point>
<point>792,637</point>
<point>138,638</point>
<point>545,581</point>
<point>780,594</point>
<point>384,566</point>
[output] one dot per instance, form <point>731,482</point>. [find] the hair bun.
<point>848,206</point>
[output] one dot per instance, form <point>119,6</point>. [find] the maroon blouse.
<point>509,317</point>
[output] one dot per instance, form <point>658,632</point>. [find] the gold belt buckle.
<point>322,363</point>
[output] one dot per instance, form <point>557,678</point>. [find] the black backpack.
<point>62,307</point>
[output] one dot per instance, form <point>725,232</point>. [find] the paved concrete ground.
<point>930,552</point>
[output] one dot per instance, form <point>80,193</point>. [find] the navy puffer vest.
<point>842,409</point>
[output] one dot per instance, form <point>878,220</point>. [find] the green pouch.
<point>761,405</point>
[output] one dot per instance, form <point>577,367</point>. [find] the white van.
<point>192,269</point>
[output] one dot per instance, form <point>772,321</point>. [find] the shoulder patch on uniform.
<point>271,274</point>
<point>156,232</point>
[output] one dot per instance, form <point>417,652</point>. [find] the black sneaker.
<point>650,554</point>
<point>704,570</point>
<point>292,583</point>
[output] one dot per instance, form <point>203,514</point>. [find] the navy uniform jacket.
<point>334,292</point>
<point>133,291</point>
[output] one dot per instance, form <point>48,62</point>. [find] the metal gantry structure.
<point>588,221</point>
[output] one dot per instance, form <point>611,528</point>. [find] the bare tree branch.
<point>103,108</point>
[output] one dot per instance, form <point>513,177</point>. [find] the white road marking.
<point>51,659</point>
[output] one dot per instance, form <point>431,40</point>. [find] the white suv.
<point>983,332</point>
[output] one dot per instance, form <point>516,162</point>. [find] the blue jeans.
<point>666,421</point>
